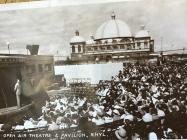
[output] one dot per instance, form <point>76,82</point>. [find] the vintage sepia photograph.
<point>93,70</point>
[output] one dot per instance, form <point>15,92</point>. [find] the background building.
<point>113,40</point>
<point>36,73</point>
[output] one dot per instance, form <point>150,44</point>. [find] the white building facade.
<point>113,40</point>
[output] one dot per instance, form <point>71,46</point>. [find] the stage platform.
<point>14,110</point>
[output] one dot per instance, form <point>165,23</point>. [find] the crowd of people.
<point>59,113</point>
<point>151,100</point>
<point>140,102</point>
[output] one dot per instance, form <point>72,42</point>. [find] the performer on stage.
<point>17,89</point>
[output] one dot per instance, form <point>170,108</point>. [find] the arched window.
<point>99,42</point>
<point>122,47</point>
<point>73,49</point>
<point>108,48</point>
<point>138,44</point>
<point>122,40</point>
<point>95,48</point>
<point>129,47</point>
<point>145,43</point>
<point>152,46</point>
<point>105,42</point>
<point>114,41</point>
<point>89,48</point>
<point>115,47</point>
<point>125,40</point>
<point>128,40</point>
<point>102,47</point>
<point>133,47</point>
<point>79,48</point>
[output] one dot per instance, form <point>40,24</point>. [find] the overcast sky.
<point>53,27</point>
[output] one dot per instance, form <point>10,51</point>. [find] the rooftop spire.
<point>77,33</point>
<point>142,27</point>
<point>113,15</point>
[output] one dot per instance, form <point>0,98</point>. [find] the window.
<point>138,44</point>
<point>48,67</point>
<point>73,49</point>
<point>114,41</point>
<point>96,48</point>
<point>40,68</point>
<point>125,40</point>
<point>115,47</point>
<point>98,42</point>
<point>129,47</point>
<point>151,46</point>
<point>128,41</point>
<point>122,40</point>
<point>89,49</point>
<point>122,46</point>
<point>102,48</point>
<point>79,48</point>
<point>145,43</point>
<point>108,48</point>
<point>32,69</point>
<point>106,42</point>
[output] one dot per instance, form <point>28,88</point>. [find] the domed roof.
<point>113,28</point>
<point>142,32</point>
<point>91,41</point>
<point>77,38</point>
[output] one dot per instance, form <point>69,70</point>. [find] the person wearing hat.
<point>129,117</point>
<point>121,134</point>
<point>116,115</point>
<point>135,136</point>
<point>28,124</point>
<point>152,136</point>
<point>99,120</point>
<point>147,117</point>
<point>53,126</point>
<point>109,111</point>
<point>160,113</point>
<point>42,122</point>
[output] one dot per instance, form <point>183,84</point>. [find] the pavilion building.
<point>113,41</point>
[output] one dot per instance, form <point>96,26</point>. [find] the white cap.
<point>116,111</point>
<point>152,136</point>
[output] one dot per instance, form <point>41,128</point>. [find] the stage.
<point>9,112</point>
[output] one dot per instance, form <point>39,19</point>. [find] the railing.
<point>115,43</point>
<point>113,51</point>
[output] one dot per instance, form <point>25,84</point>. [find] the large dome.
<point>77,39</point>
<point>113,28</point>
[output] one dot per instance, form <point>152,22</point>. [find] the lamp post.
<point>161,50</point>
<point>8,45</point>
